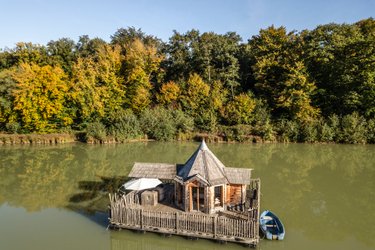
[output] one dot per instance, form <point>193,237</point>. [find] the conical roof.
<point>205,164</point>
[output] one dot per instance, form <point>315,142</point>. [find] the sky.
<point>40,21</point>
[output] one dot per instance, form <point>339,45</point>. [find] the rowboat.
<point>271,226</point>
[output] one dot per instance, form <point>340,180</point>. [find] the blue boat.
<point>271,226</point>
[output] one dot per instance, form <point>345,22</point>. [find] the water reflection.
<point>323,193</point>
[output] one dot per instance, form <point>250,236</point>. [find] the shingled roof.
<point>202,163</point>
<point>153,170</point>
<point>205,163</point>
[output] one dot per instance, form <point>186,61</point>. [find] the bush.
<point>158,124</point>
<point>309,132</point>
<point>334,124</point>
<point>325,132</point>
<point>371,131</point>
<point>353,129</point>
<point>124,125</point>
<point>13,127</point>
<point>184,123</point>
<point>96,130</point>
<point>288,130</point>
<point>262,125</point>
<point>207,121</point>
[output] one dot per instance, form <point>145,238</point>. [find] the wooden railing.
<point>193,224</point>
<point>126,212</point>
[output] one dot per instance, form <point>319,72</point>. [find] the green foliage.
<point>309,132</point>
<point>262,124</point>
<point>206,121</point>
<point>158,124</point>
<point>96,130</point>
<point>354,129</point>
<point>288,130</point>
<point>371,131</point>
<point>316,85</point>
<point>97,87</point>
<point>325,131</point>
<point>124,125</point>
<point>280,74</point>
<point>184,123</point>
<point>13,127</point>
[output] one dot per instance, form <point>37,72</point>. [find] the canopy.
<point>141,184</point>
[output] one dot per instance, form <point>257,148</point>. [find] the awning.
<point>141,184</point>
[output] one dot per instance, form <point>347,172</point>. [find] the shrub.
<point>158,124</point>
<point>371,131</point>
<point>184,123</point>
<point>207,121</point>
<point>326,133</point>
<point>124,125</point>
<point>309,131</point>
<point>288,130</point>
<point>353,129</point>
<point>96,130</point>
<point>13,127</point>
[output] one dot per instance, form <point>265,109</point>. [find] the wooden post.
<point>141,218</point>
<point>177,224</point>
<point>215,226</point>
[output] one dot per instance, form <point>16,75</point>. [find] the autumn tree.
<point>168,94</point>
<point>39,97</point>
<point>141,63</point>
<point>97,87</point>
<point>239,110</point>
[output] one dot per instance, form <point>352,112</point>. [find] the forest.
<point>300,86</point>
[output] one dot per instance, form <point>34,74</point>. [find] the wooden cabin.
<point>202,184</point>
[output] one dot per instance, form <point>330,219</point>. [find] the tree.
<point>212,56</point>
<point>97,87</point>
<point>39,97</point>
<point>341,59</point>
<point>195,95</point>
<point>7,85</point>
<point>281,75</point>
<point>169,94</point>
<point>141,63</point>
<point>62,53</point>
<point>239,110</point>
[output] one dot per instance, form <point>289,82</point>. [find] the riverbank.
<point>56,138</point>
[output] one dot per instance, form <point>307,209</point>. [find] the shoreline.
<point>64,138</point>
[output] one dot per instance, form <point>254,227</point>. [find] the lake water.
<point>55,197</point>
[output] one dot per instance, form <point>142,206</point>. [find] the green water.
<point>55,197</point>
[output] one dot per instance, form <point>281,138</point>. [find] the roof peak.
<point>203,145</point>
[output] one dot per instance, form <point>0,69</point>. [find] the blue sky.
<point>40,21</point>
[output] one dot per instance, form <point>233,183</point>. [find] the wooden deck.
<point>231,226</point>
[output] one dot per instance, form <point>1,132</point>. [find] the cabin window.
<point>201,199</point>
<point>218,197</point>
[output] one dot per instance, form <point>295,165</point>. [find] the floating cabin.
<point>201,199</point>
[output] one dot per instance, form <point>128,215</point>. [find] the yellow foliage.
<point>141,61</point>
<point>96,85</point>
<point>39,97</point>
<point>169,93</point>
<point>240,109</point>
<point>197,92</point>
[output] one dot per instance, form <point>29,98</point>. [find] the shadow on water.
<point>93,201</point>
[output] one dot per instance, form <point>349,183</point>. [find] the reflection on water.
<point>323,193</point>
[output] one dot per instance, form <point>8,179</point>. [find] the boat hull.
<point>271,226</point>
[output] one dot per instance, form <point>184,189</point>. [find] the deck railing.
<point>194,224</point>
<point>126,212</point>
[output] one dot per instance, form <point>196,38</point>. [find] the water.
<point>55,197</point>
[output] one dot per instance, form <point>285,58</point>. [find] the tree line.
<point>308,86</point>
